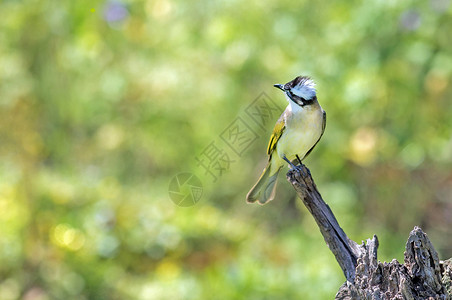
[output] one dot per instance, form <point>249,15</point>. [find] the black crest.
<point>299,80</point>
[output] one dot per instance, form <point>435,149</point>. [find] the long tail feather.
<point>265,188</point>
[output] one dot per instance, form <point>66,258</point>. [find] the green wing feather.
<point>264,189</point>
<point>277,132</point>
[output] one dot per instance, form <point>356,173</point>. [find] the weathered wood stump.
<point>422,276</point>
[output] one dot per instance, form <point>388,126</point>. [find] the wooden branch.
<point>346,251</point>
<point>421,277</point>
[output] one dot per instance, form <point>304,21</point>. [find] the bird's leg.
<point>299,160</point>
<point>290,163</point>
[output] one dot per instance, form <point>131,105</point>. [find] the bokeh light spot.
<point>362,146</point>
<point>110,136</point>
<point>410,20</point>
<point>413,155</point>
<point>159,9</point>
<point>168,270</point>
<point>115,12</point>
<point>67,237</point>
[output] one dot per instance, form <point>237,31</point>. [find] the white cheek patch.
<point>306,91</point>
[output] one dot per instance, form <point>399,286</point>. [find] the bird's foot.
<point>289,162</point>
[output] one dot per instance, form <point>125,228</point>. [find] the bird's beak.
<point>279,86</point>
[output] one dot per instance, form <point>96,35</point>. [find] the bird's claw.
<point>293,167</point>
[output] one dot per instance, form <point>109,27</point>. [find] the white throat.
<point>293,107</point>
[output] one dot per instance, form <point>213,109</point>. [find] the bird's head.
<point>301,90</point>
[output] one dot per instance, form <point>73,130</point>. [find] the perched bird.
<point>296,133</point>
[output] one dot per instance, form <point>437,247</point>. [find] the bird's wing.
<point>280,126</point>
<point>323,130</point>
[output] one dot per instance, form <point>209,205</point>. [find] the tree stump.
<point>422,276</point>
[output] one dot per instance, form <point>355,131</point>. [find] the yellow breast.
<point>303,129</point>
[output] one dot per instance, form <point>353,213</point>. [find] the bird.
<point>296,133</point>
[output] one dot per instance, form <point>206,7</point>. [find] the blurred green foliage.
<point>103,103</point>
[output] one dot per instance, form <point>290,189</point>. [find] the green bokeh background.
<point>103,103</point>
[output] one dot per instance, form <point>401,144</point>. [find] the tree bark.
<point>422,276</point>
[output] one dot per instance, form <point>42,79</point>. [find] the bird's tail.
<point>265,187</point>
